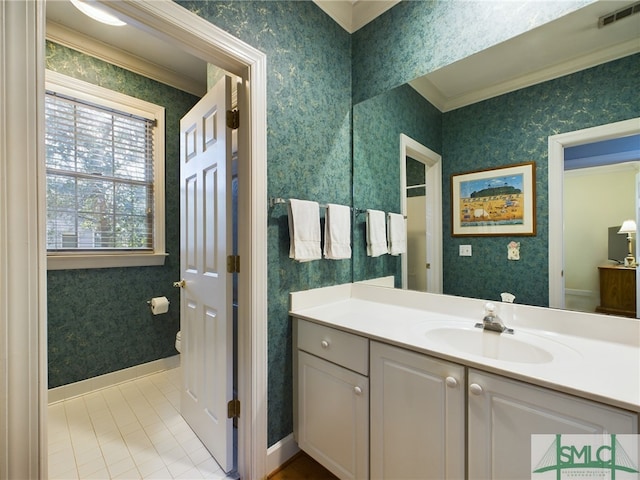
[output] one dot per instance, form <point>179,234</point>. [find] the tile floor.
<point>129,431</point>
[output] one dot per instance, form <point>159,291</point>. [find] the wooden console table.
<point>617,290</point>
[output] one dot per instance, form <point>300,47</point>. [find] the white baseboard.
<point>280,452</point>
<point>82,387</point>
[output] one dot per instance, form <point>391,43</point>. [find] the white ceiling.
<point>566,45</point>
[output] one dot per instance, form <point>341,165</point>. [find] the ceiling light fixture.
<point>97,13</point>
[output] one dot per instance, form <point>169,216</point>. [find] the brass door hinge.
<point>233,408</point>
<point>233,264</point>
<point>233,119</point>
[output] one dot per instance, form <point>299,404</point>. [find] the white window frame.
<point>81,90</point>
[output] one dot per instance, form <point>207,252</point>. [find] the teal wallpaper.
<point>418,37</point>
<point>514,128</point>
<point>315,72</point>
<point>377,125</point>
<point>309,153</point>
<point>98,320</point>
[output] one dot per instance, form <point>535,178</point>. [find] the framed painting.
<point>494,202</point>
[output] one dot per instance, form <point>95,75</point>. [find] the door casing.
<point>557,144</point>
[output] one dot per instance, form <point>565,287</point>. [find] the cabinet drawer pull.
<point>357,390</point>
<point>475,389</point>
<point>324,344</point>
<point>451,382</point>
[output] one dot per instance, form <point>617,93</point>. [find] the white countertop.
<point>593,356</point>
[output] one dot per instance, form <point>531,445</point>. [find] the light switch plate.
<point>465,250</point>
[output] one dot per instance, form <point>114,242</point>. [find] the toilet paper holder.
<point>159,305</point>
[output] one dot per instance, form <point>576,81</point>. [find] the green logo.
<point>586,456</point>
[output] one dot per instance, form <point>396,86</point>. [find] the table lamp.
<point>629,227</point>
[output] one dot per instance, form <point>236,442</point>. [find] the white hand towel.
<point>376,233</point>
<point>396,234</point>
<point>304,230</point>
<point>337,232</point>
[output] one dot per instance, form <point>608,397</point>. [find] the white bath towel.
<point>304,230</point>
<point>337,232</point>
<point>376,233</point>
<point>396,234</point>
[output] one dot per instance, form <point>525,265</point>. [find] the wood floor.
<point>302,467</point>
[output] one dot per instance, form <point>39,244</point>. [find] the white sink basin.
<point>517,347</point>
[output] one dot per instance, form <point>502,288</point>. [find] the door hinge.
<point>233,119</point>
<point>233,264</point>
<point>233,408</point>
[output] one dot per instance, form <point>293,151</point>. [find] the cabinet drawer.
<point>345,349</point>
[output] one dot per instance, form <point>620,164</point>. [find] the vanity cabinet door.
<point>333,416</point>
<point>417,415</point>
<point>504,413</point>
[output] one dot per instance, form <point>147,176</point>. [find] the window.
<point>105,177</point>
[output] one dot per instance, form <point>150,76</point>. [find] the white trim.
<point>89,92</point>
<point>173,23</point>
<point>433,181</point>
<point>281,452</point>
<point>85,44</point>
<point>556,71</point>
<point>352,15</point>
<point>73,261</point>
<point>557,144</point>
<point>23,428</point>
<point>89,385</point>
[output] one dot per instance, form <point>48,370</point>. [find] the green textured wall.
<point>377,125</point>
<point>309,153</point>
<point>99,320</point>
<point>310,66</point>
<point>514,128</point>
<point>418,37</point>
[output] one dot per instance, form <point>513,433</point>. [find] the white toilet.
<point>178,340</point>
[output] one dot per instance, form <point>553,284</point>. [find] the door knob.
<point>451,382</point>
<point>180,284</point>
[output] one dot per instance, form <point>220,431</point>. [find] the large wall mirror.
<point>495,109</point>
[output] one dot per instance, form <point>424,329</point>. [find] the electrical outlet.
<point>465,250</point>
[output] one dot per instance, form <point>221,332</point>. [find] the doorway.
<point>557,145</point>
<point>432,211</point>
<point>165,19</point>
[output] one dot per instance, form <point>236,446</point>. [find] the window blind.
<point>99,177</point>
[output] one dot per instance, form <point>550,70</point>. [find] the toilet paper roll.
<point>159,305</point>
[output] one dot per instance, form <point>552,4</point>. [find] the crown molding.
<point>354,14</point>
<point>444,104</point>
<point>69,38</point>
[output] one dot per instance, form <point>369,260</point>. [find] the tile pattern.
<point>128,431</point>
<point>416,38</point>
<point>98,320</point>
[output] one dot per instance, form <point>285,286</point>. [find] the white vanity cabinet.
<point>504,413</point>
<point>417,415</point>
<point>333,399</point>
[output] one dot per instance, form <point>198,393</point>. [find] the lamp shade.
<point>629,226</point>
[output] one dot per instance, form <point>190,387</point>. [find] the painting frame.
<point>498,201</point>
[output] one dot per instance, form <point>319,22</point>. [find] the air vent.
<point>618,15</point>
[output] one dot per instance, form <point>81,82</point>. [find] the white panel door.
<point>206,235</point>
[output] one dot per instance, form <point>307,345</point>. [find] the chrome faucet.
<point>492,321</point>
